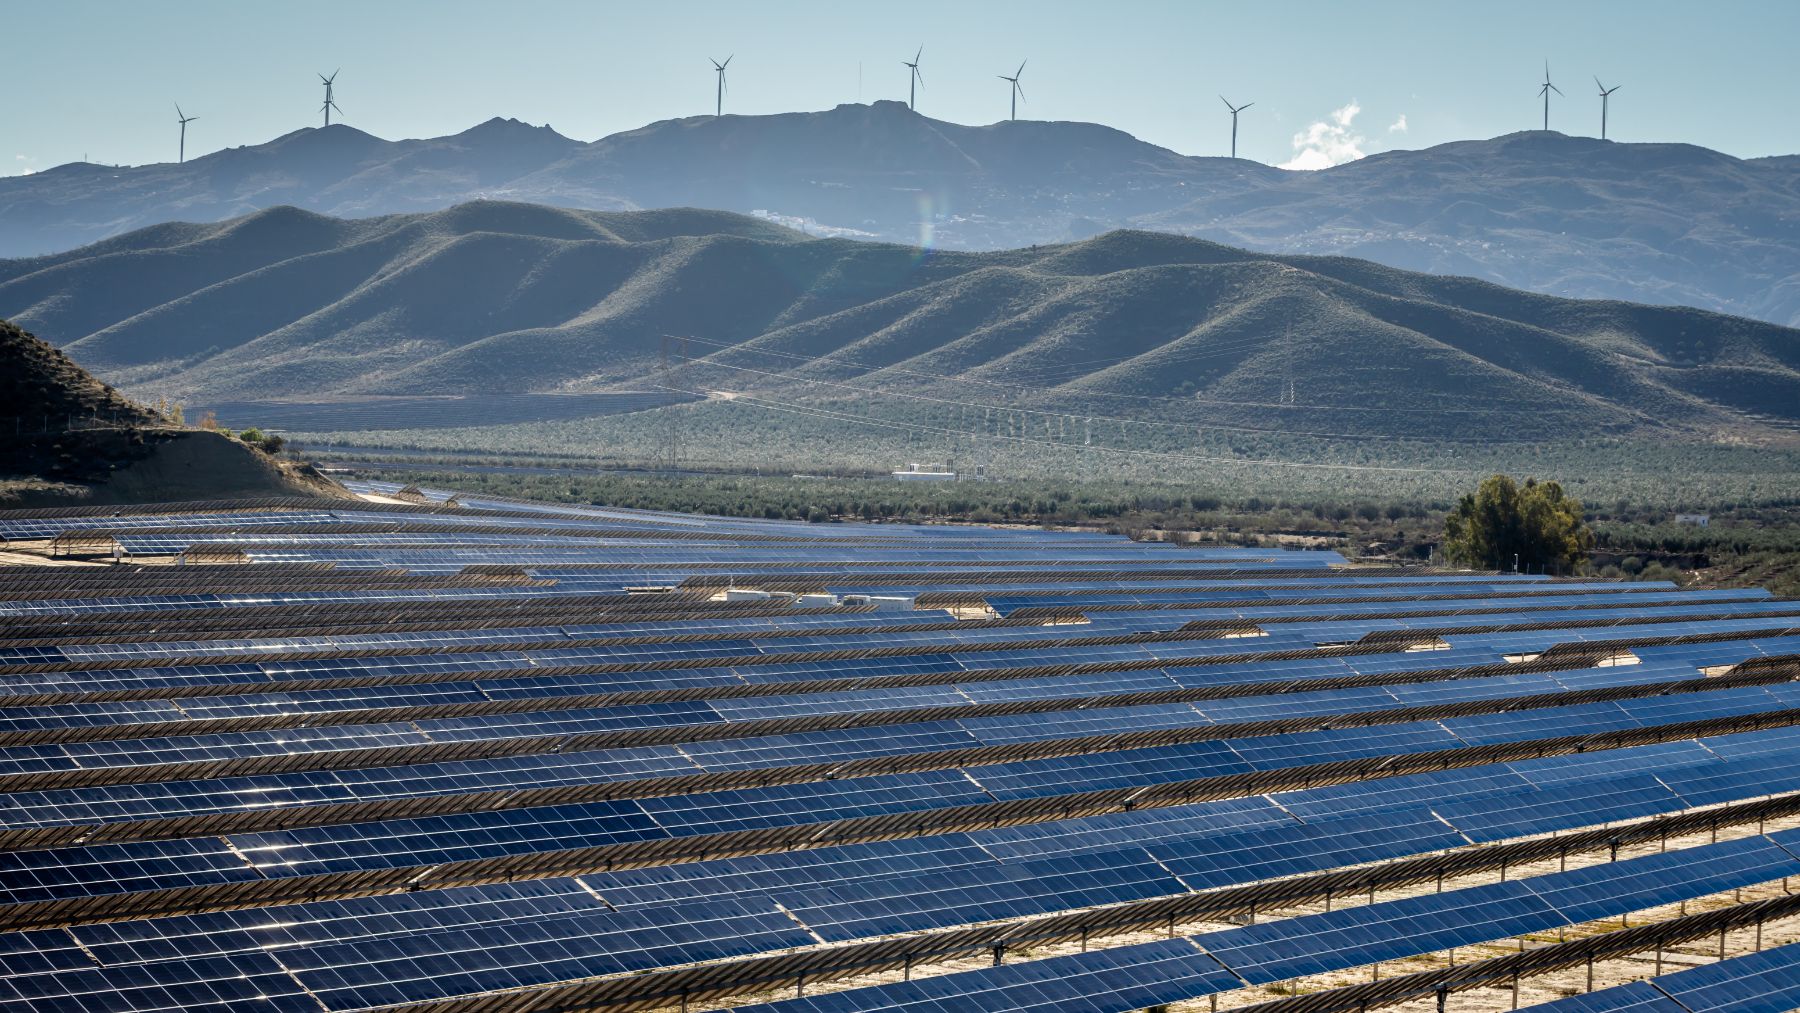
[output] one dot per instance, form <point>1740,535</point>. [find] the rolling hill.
<point>1660,223</point>
<point>491,297</point>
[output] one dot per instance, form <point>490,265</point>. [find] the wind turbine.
<point>1605,94</point>
<point>1017,92</point>
<point>917,80</point>
<point>329,103</point>
<point>719,101</point>
<point>184,119</point>
<point>1545,91</point>
<point>1234,111</point>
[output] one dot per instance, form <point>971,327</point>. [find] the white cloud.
<point>1328,142</point>
<point>23,165</point>
<point>1398,126</point>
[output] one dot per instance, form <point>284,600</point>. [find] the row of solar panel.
<point>123,602</point>
<point>632,547</point>
<point>1765,982</point>
<point>585,766</point>
<point>1293,703</point>
<point>510,512</point>
<point>1475,611</point>
<point>1658,664</point>
<point>460,836</point>
<point>354,955</point>
<point>509,675</point>
<point>1127,978</point>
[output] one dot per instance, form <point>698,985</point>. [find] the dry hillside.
<point>73,439</point>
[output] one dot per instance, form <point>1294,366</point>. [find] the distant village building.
<point>916,472</point>
<point>1697,520</point>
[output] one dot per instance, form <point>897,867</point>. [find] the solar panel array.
<point>482,754</point>
<point>1764,982</point>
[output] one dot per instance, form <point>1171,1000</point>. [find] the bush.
<point>268,443</point>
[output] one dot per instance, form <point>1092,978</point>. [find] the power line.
<point>832,359</point>
<point>1197,426</point>
<point>811,411</point>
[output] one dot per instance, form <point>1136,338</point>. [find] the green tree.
<point>1537,524</point>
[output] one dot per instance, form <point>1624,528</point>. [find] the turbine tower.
<point>1605,94</point>
<point>1234,113</point>
<point>719,101</point>
<point>1017,92</point>
<point>184,119</point>
<point>330,104</point>
<point>916,81</point>
<point>1545,91</point>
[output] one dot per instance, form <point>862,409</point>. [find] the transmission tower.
<point>673,374</point>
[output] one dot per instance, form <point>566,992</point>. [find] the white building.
<point>916,472</point>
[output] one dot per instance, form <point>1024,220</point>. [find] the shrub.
<point>268,443</point>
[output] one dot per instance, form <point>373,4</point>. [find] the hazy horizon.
<point>1346,82</point>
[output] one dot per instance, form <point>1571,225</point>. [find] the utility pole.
<point>674,375</point>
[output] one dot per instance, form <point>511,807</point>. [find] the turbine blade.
<point>1245,106</point>
<point>1554,88</point>
<point>1020,89</point>
<point>918,54</point>
<point>918,75</point>
<point>1227,103</point>
<point>1600,86</point>
<point>728,61</point>
<point>1021,69</point>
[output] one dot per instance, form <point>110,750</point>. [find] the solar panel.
<point>1765,982</point>
<point>1101,980</point>
<point>259,732</point>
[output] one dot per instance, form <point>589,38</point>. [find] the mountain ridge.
<point>495,297</point>
<point>1666,223</point>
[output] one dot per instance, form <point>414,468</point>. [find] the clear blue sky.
<point>101,77</point>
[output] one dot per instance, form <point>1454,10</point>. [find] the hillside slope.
<point>1664,223</point>
<point>490,297</point>
<point>71,439</point>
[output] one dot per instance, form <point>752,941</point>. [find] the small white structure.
<point>747,594</point>
<point>816,600</point>
<point>1697,520</point>
<point>880,602</point>
<point>916,472</point>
